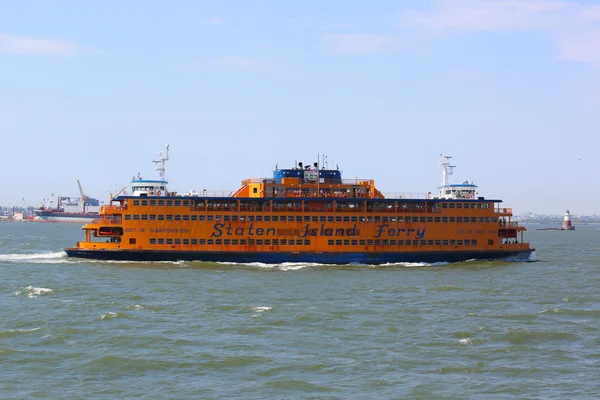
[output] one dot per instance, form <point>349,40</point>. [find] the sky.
<point>92,91</point>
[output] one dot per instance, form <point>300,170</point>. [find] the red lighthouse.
<point>567,223</point>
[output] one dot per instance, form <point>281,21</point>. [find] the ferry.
<point>308,214</point>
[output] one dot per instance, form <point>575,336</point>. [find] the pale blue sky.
<point>510,89</point>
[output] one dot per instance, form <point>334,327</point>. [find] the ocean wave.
<point>15,332</point>
<point>33,292</point>
<point>109,315</point>
<point>261,309</point>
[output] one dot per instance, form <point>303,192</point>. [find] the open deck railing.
<point>406,195</point>
<point>213,193</point>
<point>509,224</point>
<point>503,210</point>
<point>355,181</point>
<point>293,194</point>
<point>106,221</point>
<point>110,208</point>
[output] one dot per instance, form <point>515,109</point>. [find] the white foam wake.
<point>287,266</point>
<point>412,264</point>
<point>46,258</point>
<point>292,266</point>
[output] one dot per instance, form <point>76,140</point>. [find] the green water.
<point>481,330</point>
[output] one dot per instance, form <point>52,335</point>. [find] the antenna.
<point>447,169</point>
<point>318,174</point>
<point>161,163</point>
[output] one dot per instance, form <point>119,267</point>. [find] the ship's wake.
<point>293,266</point>
<point>525,257</point>
<point>36,258</point>
<point>286,266</point>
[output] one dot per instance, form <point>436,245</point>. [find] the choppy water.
<point>479,330</point>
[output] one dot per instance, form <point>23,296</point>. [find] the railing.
<point>505,211</point>
<point>406,195</point>
<point>109,208</point>
<point>212,193</point>
<point>509,224</point>
<point>355,181</point>
<point>282,194</point>
<point>106,221</point>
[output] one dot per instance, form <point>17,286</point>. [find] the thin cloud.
<point>28,45</point>
<point>213,21</point>
<point>583,48</point>
<point>354,44</point>
<point>574,26</point>
<point>486,15</point>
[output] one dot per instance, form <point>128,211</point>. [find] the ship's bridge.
<point>152,187</point>
<point>308,181</point>
<point>453,191</point>
<point>308,175</point>
<point>463,190</point>
<point>144,187</point>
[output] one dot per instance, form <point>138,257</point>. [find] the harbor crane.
<point>83,196</point>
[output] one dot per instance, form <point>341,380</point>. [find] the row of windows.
<point>307,218</point>
<point>265,204</point>
<point>465,205</point>
<point>267,242</point>
<point>393,242</point>
<point>306,242</point>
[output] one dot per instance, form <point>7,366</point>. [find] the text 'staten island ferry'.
<point>302,214</point>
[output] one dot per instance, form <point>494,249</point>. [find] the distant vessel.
<point>566,226</point>
<point>302,214</point>
<point>82,209</point>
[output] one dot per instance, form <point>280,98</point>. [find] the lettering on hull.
<point>383,230</point>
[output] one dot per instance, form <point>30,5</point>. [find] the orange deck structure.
<point>302,214</point>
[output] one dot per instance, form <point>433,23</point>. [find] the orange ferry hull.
<point>310,257</point>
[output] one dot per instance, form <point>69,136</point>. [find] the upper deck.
<point>306,182</point>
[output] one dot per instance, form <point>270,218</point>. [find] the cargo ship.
<point>307,213</point>
<point>68,209</point>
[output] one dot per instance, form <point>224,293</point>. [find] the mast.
<point>447,169</point>
<point>161,163</point>
<point>318,174</point>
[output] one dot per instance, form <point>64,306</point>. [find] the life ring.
<point>468,196</point>
<point>158,192</point>
<point>504,210</point>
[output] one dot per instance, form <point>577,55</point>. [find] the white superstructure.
<point>448,190</point>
